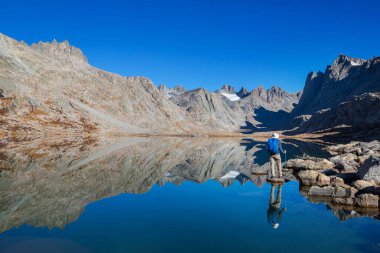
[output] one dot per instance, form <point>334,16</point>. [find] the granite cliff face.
<point>341,82</point>
<point>346,97</point>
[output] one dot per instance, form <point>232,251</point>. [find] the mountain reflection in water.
<point>49,187</point>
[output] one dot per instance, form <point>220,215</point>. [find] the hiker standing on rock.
<point>274,150</point>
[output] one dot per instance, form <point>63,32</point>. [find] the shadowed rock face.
<point>243,92</point>
<point>362,111</point>
<point>341,82</point>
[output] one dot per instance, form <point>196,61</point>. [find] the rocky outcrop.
<point>370,169</point>
<point>55,49</point>
<point>351,179</point>
<point>227,89</point>
<point>310,164</point>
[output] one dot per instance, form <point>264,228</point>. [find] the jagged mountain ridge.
<point>342,81</point>
<point>51,87</point>
<point>232,108</point>
<point>345,97</point>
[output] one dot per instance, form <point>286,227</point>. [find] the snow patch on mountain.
<point>231,97</point>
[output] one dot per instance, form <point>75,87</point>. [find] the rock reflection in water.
<point>45,186</point>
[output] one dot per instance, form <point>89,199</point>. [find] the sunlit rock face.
<point>50,88</point>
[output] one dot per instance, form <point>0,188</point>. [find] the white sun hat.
<point>275,135</point>
<point>276,225</point>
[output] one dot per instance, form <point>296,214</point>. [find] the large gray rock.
<point>323,180</point>
<point>321,191</point>
<point>346,162</point>
<point>361,184</point>
<point>367,200</point>
<point>330,191</point>
<point>370,169</point>
<point>308,177</point>
<point>310,164</point>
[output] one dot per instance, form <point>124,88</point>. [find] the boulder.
<point>321,191</point>
<point>345,162</point>
<point>323,180</point>
<point>373,145</point>
<point>361,159</point>
<point>343,201</point>
<point>343,148</point>
<point>331,191</point>
<point>367,200</point>
<point>361,184</point>
<point>370,169</point>
<point>308,177</point>
<point>310,164</point>
<point>342,191</point>
<point>336,181</point>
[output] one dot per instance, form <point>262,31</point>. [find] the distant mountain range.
<point>50,89</point>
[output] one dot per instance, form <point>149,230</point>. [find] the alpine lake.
<point>167,195</point>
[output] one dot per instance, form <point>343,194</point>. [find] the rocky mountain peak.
<point>342,66</point>
<point>243,92</point>
<point>59,50</point>
<point>179,89</point>
<point>344,79</point>
<point>226,88</point>
<point>162,87</point>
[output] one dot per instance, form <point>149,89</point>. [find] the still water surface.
<point>167,195</point>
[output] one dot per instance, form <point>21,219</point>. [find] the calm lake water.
<point>167,195</point>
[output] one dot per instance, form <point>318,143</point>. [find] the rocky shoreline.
<point>350,177</point>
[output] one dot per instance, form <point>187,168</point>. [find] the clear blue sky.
<point>204,42</point>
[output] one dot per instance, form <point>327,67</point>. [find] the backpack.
<point>273,146</point>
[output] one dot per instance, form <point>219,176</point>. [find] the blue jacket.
<point>279,146</point>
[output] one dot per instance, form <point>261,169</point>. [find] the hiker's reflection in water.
<point>275,211</point>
